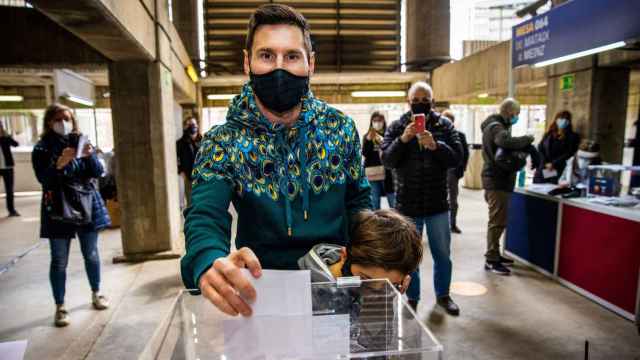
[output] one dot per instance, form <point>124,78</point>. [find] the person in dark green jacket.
<point>288,162</point>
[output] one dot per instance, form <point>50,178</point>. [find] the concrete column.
<point>144,133</point>
<point>598,102</point>
<point>427,30</point>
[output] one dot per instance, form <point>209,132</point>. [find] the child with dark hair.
<point>384,245</point>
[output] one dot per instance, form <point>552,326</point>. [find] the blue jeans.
<point>377,188</point>
<point>60,259</point>
<point>439,237</point>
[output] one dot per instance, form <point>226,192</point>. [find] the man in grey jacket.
<point>498,183</point>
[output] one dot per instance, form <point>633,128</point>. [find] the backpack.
<point>508,160</point>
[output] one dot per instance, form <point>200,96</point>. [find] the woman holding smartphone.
<point>61,168</point>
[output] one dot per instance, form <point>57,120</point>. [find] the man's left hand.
<point>427,141</point>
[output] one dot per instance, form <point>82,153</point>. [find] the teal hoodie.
<point>292,188</point>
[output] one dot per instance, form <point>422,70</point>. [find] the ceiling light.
<point>79,100</point>
<point>378,94</point>
<point>221,96</point>
<point>483,95</point>
<point>581,54</point>
<point>11,98</point>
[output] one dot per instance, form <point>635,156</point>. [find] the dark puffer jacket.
<point>44,157</point>
<point>421,175</point>
<point>493,137</point>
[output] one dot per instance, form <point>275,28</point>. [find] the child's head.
<point>384,244</point>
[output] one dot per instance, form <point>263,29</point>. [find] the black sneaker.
<point>456,230</point>
<point>496,267</point>
<point>506,261</point>
<point>14,214</point>
<point>448,305</point>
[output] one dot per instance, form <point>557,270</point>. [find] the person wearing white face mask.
<point>559,144</point>
<point>68,179</point>
<point>575,173</point>
<point>380,179</point>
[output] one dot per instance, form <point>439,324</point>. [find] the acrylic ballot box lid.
<point>352,320</point>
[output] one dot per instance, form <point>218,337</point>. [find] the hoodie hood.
<point>318,260</point>
<point>244,113</point>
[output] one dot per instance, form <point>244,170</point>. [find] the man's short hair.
<point>419,85</point>
<point>276,14</point>
<point>386,239</point>
<point>509,105</point>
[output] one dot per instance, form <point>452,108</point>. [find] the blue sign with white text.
<point>575,26</point>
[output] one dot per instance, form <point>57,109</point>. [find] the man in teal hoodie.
<point>288,162</point>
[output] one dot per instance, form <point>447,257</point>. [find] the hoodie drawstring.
<point>281,138</point>
<point>303,172</point>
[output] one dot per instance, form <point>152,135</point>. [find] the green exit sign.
<point>567,82</point>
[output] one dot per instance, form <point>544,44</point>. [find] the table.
<point>590,248</point>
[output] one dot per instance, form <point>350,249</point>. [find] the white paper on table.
<point>547,174</point>
<point>13,350</point>
<point>281,292</point>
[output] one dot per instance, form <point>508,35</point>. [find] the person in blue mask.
<point>497,182</point>
<point>558,145</point>
<point>290,164</point>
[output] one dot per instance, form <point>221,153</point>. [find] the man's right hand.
<point>225,285</point>
<point>409,133</point>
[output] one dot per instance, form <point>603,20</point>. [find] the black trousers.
<point>7,175</point>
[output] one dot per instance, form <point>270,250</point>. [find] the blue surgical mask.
<point>514,119</point>
<point>562,123</point>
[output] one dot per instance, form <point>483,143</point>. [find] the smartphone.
<point>419,121</point>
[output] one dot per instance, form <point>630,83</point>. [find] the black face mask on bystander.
<point>421,108</point>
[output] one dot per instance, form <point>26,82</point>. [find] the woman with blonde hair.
<point>71,204</point>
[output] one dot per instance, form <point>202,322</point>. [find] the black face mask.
<point>421,108</point>
<point>346,267</point>
<point>192,130</point>
<point>279,90</point>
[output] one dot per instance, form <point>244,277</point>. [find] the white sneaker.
<point>100,302</point>
<point>61,318</point>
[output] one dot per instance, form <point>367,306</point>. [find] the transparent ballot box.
<point>361,320</point>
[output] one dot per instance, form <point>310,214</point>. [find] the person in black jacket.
<point>558,145</point>
<point>187,148</point>
<point>420,162</point>
<point>497,183</point>
<point>6,168</point>
<point>57,164</point>
<point>455,174</point>
<point>380,178</point>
